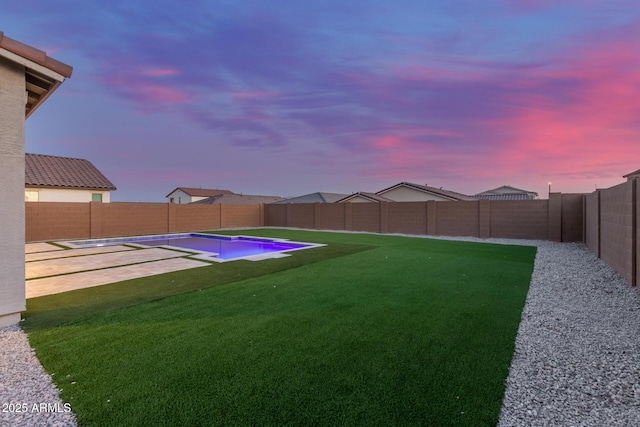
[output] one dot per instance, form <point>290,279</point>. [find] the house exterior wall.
<point>404,194</point>
<point>66,195</point>
<point>180,197</point>
<point>12,115</point>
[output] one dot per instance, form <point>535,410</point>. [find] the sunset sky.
<point>293,97</point>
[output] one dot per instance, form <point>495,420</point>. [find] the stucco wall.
<point>12,113</point>
<point>404,194</point>
<point>76,196</point>
<point>180,197</point>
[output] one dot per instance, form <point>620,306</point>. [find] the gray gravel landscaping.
<point>576,362</point>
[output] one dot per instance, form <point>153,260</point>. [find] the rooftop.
<point>63,172</point>
<point>43,74</point>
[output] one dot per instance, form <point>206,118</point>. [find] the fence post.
<point>384,217</point>
<point>432,219</point>
<point>554,217</point>
<point>634,232</point>
<point>172,220</point>
<point>484,219</point>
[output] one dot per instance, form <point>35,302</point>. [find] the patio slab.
<point>87,279</point>
<point>39,256</point>
<point>38,269</point>
<point>40,247</point>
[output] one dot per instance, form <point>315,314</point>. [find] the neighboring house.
<point>363,197</point>
<point>64,179</point>
<point>632,175</point>
<point>314,198</point>
<point>28,76</point>
<point>237,199</point>
<point>410,192</point>
<point>184,195</point>
<point>507,192</point>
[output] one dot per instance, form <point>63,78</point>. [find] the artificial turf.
<point>409,332</point>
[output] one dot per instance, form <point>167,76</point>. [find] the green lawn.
<point>369,330</point>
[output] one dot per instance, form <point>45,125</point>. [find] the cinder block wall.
<point>408,218</point>
<point>365,217</point>
<point>71,220</point>
<point>617,233</point>
<point>331,216</point>
<point>520,219</point>
<point>241,216</point>
<point>129,219</point>
<point>457,219</point>
<point>302,215</point>
<point>573,217</point>
<point>525,219</point>
<point>185,218</point>
<point>62,221</point>
<point>592,222</point>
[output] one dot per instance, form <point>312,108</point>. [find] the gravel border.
<point>576,359</point>
<point>27,395</point>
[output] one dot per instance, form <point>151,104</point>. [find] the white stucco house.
<point>184,195</point>
<point>64,179</point>
<point>28,76</point>
<point>410,192</point>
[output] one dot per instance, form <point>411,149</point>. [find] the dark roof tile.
<point>63,172</point>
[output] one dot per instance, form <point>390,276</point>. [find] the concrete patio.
<point>51,269</point>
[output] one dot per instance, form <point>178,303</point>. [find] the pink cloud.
<point>593,125</point>
<point>158,72</point>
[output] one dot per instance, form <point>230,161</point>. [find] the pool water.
<point>208,246</point>
<point>225,248</point>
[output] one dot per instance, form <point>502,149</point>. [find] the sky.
<point>287,98</point>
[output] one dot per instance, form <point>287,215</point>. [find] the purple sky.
<point>288,98</point>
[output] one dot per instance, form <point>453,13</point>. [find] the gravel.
<point>576,360</point>
<point>27,395</point>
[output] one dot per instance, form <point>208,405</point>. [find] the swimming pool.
<point>211,247</point>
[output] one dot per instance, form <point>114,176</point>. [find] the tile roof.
<point>507,196</point>
<point>237,199</point>
<point>35,55</point>
<point>201,192</point>
<point>427,189</point>
<point>63,172</point>
<point>370,196</point>
<point>43,74</point>
<point>318,197</point>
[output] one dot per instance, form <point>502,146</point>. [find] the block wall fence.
<point>62,220</point>
<point>606,220</point>
<point>559,219</point>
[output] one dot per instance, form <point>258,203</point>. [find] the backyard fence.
<point>611,227</point>
<point>559,219</point>
<point>64,220</point>
<point>606,220</point>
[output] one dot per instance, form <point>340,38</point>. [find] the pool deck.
<point>51,269</point>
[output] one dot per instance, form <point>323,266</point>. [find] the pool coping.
<point>193,253</point>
